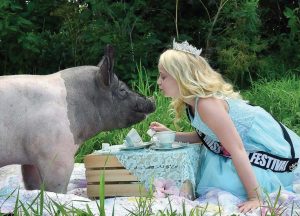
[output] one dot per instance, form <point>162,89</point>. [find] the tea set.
<point>163,140</point>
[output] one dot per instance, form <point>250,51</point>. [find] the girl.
<point>247,152</point>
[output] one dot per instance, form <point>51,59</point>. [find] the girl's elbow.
<point>238,149</point>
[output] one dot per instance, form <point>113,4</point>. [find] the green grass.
<point>279,97</point>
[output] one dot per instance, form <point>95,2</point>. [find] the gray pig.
<point>44,119</point>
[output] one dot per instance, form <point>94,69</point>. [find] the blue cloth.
<point>147,165</point>
<point>259,132</point>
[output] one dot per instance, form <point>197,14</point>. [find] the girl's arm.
<point>214,114</point>
<point>191,137</point>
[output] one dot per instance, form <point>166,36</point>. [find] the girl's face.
<point>167,84</point>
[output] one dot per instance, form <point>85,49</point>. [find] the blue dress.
<point>259,132</point>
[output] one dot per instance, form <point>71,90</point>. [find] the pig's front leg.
<point>56,173</point>
<point>31,177</point>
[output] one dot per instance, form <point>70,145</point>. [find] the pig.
<point>45,118</point>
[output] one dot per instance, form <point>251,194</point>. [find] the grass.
<point>279,97</point>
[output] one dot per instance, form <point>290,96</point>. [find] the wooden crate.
<point>118,180</point>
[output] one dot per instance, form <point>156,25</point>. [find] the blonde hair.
<point>195,78</point>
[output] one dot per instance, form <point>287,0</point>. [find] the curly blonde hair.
<point>195,78</point>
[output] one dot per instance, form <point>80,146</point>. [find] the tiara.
<point>186,47</point>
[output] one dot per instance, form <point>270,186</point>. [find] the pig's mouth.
<point>141,115</point>
<point>140,112</point>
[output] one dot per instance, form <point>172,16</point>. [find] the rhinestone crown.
<point>186,47</point>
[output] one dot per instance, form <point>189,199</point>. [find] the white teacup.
<point>133,139</point>
<point>165,139</point>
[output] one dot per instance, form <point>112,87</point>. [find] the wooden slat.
<point>123,183</point>
<point>97,161</point>
<point>118,175</point>
<point>136,189</point>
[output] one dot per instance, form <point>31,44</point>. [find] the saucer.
<point>145,145</point>
<point>175,145</point>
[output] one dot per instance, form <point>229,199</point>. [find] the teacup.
<point>133,139</point>
<point>128,142</point>
<point>165,139</point>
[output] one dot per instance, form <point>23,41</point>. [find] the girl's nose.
<point>158,81</point>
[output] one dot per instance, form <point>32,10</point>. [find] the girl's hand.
<point>249,205</point>
<point>156,126</point>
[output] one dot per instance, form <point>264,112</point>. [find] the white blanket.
<point>215,201</point>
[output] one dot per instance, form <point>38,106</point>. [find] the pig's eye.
<point>122,92</point>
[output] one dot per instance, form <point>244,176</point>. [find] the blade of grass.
<point>61,208</point>
<point>292,210</point>
<point>89,210</point>
<point>277,198</point>
<point>101,208</point>
<point>16,204</point>
<point>102,193</point>
<point>25,210</point>
<point>9,196</point>
<point>42,194</point>
<point>183,209</point>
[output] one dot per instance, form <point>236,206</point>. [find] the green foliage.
<point>240,43</point>
<point>243,39</point>
<point>290,42</point>
<point>24,35</point>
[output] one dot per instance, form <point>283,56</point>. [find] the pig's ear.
<point>105,74</point>
<point>109,51</point>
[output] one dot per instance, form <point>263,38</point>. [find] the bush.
<point>245,39</point>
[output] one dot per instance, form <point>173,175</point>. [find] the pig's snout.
<point>145,105</point>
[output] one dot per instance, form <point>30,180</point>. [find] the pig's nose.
<point>146,105</point>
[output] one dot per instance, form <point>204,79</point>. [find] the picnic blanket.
<point>214,201</point>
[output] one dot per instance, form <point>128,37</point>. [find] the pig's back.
<point>30,105</point>
<point>22,94</point>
